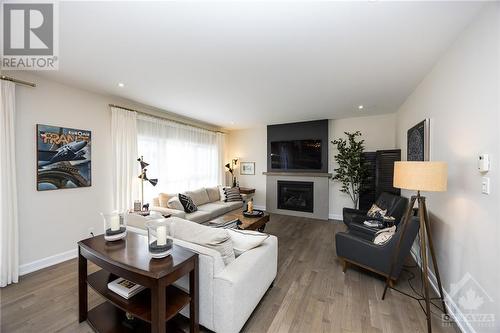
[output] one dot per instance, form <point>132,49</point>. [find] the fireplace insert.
<point>298,196</point>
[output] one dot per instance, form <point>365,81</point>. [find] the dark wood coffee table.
<point>129,259</point>
<point>248,223</point>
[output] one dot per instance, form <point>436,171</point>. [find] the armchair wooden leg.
<point>392,283</point>
<point>344,266</point>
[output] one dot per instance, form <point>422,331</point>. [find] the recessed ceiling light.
<point>360,107</point>
<point>121,84</point>
<point>231,122</point>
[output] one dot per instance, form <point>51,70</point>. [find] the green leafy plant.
<point>351,171</point>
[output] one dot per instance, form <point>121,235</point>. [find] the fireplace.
<point>298,196</point>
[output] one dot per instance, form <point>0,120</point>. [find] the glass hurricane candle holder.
<point>159,244</point>
<point>115,226</point>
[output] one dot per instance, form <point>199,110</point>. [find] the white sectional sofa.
<point>208,200</point>
<point>228,294</point>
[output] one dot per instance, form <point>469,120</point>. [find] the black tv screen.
<point>296,154</point>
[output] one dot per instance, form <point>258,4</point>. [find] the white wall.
<point>378,133</point>
<point>461,97</point>
<point>51,222</point>
<point>250,145</point>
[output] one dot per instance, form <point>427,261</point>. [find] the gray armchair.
<point>354,247</point>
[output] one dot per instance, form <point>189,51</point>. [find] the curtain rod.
<point>172,120</point>
<point>24,83</point>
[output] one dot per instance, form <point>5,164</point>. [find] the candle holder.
<point>115,226</point>
<point>159,245</point>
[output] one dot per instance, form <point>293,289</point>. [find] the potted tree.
<point>351,171</point>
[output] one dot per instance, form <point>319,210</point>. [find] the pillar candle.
<point>161,235</point>
<point>250,206</point>
<point>115,223</point>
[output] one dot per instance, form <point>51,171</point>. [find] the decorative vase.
<point>115,226</point>
<point>159,244</point>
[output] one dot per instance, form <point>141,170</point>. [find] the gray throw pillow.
<point>232,194</point>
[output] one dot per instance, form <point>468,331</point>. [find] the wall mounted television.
<point>296,155</point>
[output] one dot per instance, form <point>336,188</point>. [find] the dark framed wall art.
<point>63,157</point>
<point>418,142</point>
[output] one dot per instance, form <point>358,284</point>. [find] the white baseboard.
<point>453,309</point>
<point>335,216</point>
<point>48,261</point>
<point>259,207</point>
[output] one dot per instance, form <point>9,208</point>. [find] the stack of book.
<point>125,288</point>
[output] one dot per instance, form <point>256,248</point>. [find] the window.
<point>182,157</point>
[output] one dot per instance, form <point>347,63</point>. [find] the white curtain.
<point>9,229</point>
<point>182,157</point>
<point>124,152</point>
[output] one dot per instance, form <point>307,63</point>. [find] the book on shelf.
<point>125,288</point>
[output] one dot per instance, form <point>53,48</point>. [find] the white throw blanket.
<point>384,235</point>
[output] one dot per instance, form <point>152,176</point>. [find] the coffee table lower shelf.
<point>110,316</point>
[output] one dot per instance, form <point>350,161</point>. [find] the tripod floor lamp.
<point>425,177</point>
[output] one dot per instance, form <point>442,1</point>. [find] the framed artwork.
<point>247,168</point>
<point>418,145</point>
<point>63,158</point>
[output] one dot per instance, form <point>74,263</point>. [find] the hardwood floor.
<point>310,294</point>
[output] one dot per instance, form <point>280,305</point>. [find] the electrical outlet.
<point>91,231</point>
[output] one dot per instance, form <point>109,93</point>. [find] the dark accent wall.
<point>315,130</point>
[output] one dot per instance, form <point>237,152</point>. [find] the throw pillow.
<point>213,238</point>
<point>376,212</point>
<point>175,203</point>
<point>163,199</point>
<point>187,203</point>
<point>244,240</point>
<point>384,235</point>
<point>232,194</point>
<point>222,193</point>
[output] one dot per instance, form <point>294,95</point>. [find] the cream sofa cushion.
<point>213,193</point>
<point>175,203</point>
<point>214,208</point>
<point>214,238</point>
<point>199,216</point>
<point>244,240</point>
<point>199,196</point>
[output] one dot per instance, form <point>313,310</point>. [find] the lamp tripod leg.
<point>433,257</point>
<point>425,267</point>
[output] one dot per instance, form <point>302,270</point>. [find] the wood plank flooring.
<point>310,294</point>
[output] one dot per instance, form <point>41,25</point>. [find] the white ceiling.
<point>241,64</point>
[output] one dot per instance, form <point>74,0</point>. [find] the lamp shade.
<point>421,176</point>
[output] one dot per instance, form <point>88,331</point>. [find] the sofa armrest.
<point>166,211</point>
<point>242,284</point>
<point>363,229</point>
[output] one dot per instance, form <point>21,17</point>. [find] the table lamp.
<point>421,177</point>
